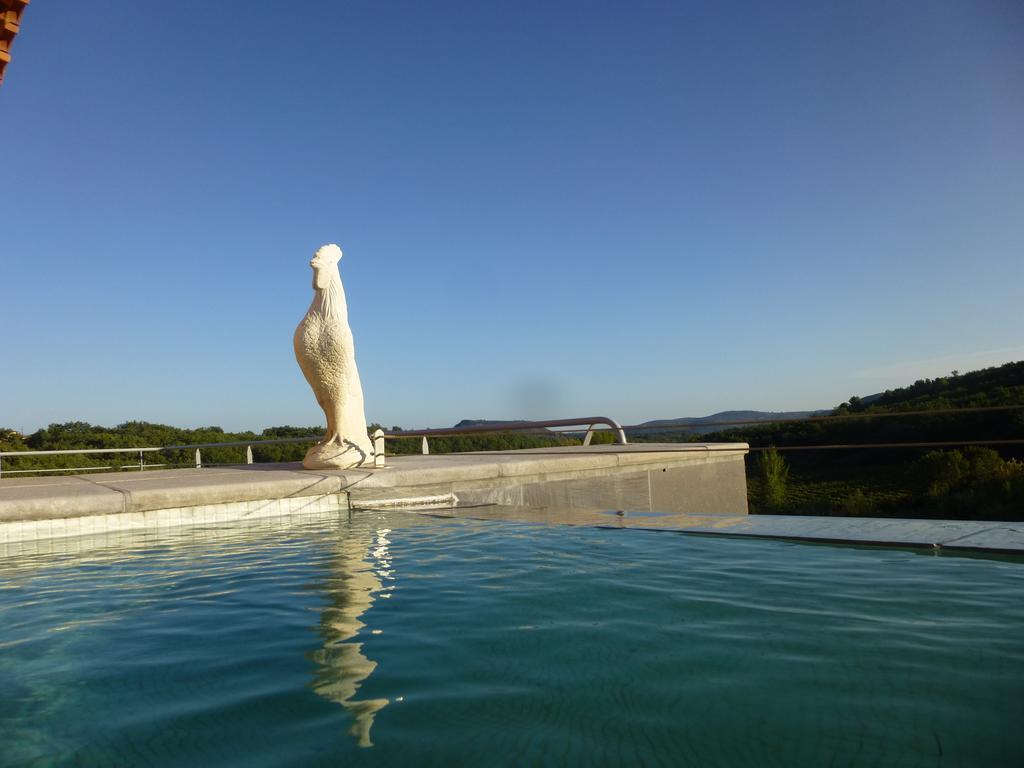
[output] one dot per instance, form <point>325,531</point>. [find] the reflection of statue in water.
<point>353,586</point>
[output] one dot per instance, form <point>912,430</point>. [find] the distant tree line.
<point>969,482</point>
<point>496,441</point>
<point>141,434</point>
<point>963,483</point>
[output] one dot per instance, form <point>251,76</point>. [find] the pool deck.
<point>953,535</point>
<point>668,486</point>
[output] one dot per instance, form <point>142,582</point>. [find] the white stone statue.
<point>327,357</point>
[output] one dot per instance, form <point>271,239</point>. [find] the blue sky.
<point>643,209</point>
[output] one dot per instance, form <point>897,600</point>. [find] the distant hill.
<point>996,386</point>
<point>700,424</point>
<point>944,470</point>
<point>690,424</point>
<point>1002,385</point>
<point>990,387</point>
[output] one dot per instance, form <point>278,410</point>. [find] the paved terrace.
<point>693,488</point>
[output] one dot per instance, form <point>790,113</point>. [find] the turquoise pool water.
<point>400,639</point>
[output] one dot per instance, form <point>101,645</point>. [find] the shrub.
<point>774,476</point>
<point>857,505</point>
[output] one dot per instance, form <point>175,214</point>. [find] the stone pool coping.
<point>953,535</point>
<point>601,478</point>
<point>617,473</point>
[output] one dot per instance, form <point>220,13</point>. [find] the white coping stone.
<point>205,514</point>
<point>44,536</point>
<point>1007,537</point>
<point>115,493</point>
<point>269,492</point>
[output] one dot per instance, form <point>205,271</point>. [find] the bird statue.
<point>326,355</point>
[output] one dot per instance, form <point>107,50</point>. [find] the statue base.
<point>338,455</point>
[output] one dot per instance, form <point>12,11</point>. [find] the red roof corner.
<point>10,25</point>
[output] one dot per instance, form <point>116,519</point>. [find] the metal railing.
<point>592,423</point>
<point>511,426</point>
<point>828,418</point>
<point>378,439</point>
<point>693,427</point>
<point>141,452</point>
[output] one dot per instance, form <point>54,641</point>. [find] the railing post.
<point>590,434</point>
<point>424,446</point>
<point>199,459</point>
<point>248,454</point>
<point>378,448</point>
<point>142,461</point>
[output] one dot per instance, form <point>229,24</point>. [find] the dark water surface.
<point>399,639</point>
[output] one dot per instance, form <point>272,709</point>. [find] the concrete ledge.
<point>81,535</point>
<point>689,488</point>
<point>952,535</point>
<point>609,475</point>
<point>129,492</point>
<point>47,535</point>
<point>42,498</point>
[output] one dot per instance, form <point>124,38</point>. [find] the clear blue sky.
<point>639,209</point>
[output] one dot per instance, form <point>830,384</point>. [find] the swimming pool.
<point>402,639</point>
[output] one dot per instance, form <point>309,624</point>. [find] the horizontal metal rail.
<point>235,444</point>
<point>140,452</point>
<point>85,469</point>
<point>815,419</point>
<point>521,426</point>
<point>589,421</point>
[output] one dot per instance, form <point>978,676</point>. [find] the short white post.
<point>199,459</point>
<point>248,454</point>
<point>378,448</point>
<point>425,446</point>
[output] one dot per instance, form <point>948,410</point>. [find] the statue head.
<point>325,265</point>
